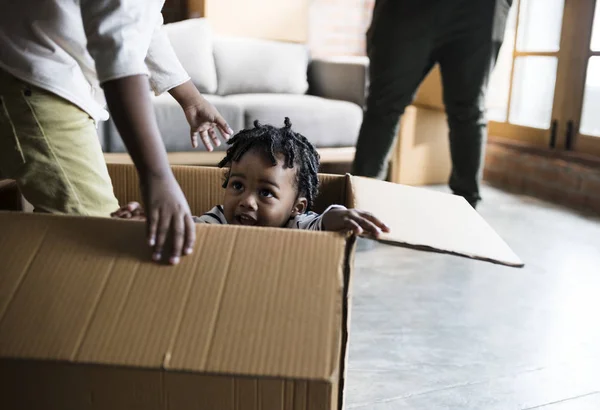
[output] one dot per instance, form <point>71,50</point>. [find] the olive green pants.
<point>51,148</point>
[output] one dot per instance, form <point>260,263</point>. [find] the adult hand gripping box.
<point>255,318</point>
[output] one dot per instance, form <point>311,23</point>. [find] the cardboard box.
<point>256,318</point>
<point>421,155</point>
<point>430,93</point>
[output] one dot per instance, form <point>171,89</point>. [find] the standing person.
<point>54,55</point>
<point>406,38</point>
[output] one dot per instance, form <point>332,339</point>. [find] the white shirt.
<point>70,47</point>
<point>310,220</point>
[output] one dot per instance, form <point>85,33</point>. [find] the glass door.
<point>583,134</point>
<point>522,102</point>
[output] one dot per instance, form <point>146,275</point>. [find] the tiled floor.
<point>432,331</point>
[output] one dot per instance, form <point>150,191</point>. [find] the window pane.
<point>595,46</point>
<point>590,116</point>
<point>533,91</point>
<point>497,95</point>
<point>540,24</point>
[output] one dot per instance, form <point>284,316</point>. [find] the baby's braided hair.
<point>296,149</point>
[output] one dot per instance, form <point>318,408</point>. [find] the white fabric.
<point>247,65</point>
<point>69,47</point>
<point>192,41</point>
<point>311,221</point>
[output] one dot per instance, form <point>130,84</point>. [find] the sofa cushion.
<point>192,41</point>
<point>326,123</point>
<point>174,127</point>
<point>246,65</point>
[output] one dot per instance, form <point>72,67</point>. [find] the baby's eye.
<point>237,185</point>
<point>266,193</point>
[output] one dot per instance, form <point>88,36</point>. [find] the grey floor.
<point>432,331</point>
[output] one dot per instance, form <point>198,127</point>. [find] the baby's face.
<point>261,194</point>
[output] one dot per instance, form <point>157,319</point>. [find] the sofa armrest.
<point>340,78</point>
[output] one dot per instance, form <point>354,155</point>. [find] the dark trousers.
<point>405,40</point>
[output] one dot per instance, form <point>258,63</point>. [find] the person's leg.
<point>399,47</point>
<point>51,148</point>
<point>466,56</point>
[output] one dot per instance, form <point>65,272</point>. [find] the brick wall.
<point>544,174</point>
<point>338,27</point>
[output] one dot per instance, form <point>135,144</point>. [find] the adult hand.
<point>203,119</point>
<point>202,116</point>
<point>168,210</point>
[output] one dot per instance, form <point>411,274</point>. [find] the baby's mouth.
<point>244,219</point>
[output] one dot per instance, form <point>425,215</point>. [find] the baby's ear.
<point>300,206</point>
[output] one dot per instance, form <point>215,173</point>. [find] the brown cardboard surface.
<point>430,92</point>
<point>203,186</point>
<point>421,155</point>
<point>58,386</point>
<point>429,220</point>
<point>248,314</point>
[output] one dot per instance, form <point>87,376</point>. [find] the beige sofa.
<point>248,79</point>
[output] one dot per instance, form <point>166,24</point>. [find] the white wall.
<point>285,20</point>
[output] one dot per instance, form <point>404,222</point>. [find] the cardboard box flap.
<point>248,301</point>
<point>429,220</point>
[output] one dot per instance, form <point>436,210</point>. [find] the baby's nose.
<point>249,201</point>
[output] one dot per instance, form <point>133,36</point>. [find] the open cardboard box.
<point>255,318</point>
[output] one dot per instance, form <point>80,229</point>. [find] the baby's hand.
<point>132,210</point>
<point>354,220</point>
